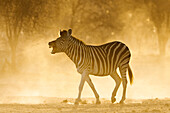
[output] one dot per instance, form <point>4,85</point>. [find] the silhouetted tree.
<point>19,16</point>
<point>160,15</point>
<point>94,18</point>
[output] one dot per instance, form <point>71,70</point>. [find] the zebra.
<point>99,60</point>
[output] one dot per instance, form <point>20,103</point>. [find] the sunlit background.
<point>28,69</point>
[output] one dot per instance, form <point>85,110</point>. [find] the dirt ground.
<point>60,105</point>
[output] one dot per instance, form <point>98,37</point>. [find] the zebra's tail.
<point>130,75</point>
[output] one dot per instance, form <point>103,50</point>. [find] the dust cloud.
<point>46,75</point>
<point>41,74</point>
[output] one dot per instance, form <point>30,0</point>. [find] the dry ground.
<point>58,105</point>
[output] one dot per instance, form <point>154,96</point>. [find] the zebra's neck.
<point>75,50</point>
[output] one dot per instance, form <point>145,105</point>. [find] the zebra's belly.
<point>99,71</point>
<point>102,75</point>
<point>95,73</point>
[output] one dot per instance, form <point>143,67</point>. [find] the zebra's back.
<point>106,58</point>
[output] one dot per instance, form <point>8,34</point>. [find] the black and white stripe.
<point>99,60</point>
<point>96,60</point>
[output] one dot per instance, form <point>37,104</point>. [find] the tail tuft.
<point>130,75</point>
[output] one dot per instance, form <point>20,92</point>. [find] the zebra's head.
<point>60,44</point>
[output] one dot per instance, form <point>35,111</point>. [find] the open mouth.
<point>52,52</point>
<point>52,45</point>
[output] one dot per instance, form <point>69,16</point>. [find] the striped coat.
<point>95,60</point>
<point>99,60</point>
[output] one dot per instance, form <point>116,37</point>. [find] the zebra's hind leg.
<point>117,79</point>
<point>124,82</point>
<point>93,88</point>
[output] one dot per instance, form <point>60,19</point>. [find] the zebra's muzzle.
<point>53,49</point>
<point>50,45</point>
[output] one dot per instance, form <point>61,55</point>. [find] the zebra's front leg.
<point>93,88</point>
<point>117,79</point>
<point>83,78</point>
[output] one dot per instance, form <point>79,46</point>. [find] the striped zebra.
<point>100,60</point>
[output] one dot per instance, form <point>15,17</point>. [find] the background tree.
<point>98,19</point>
<point>160,15</point>
<point>19,17</point>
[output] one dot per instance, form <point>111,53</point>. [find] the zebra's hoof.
<point>98,102</point>
<point>76,103</point>
<point>121,102</point>
<point>113,100</point>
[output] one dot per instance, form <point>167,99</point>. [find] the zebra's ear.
<point>69,32</point>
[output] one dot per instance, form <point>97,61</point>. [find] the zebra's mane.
<point>77,40</point>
